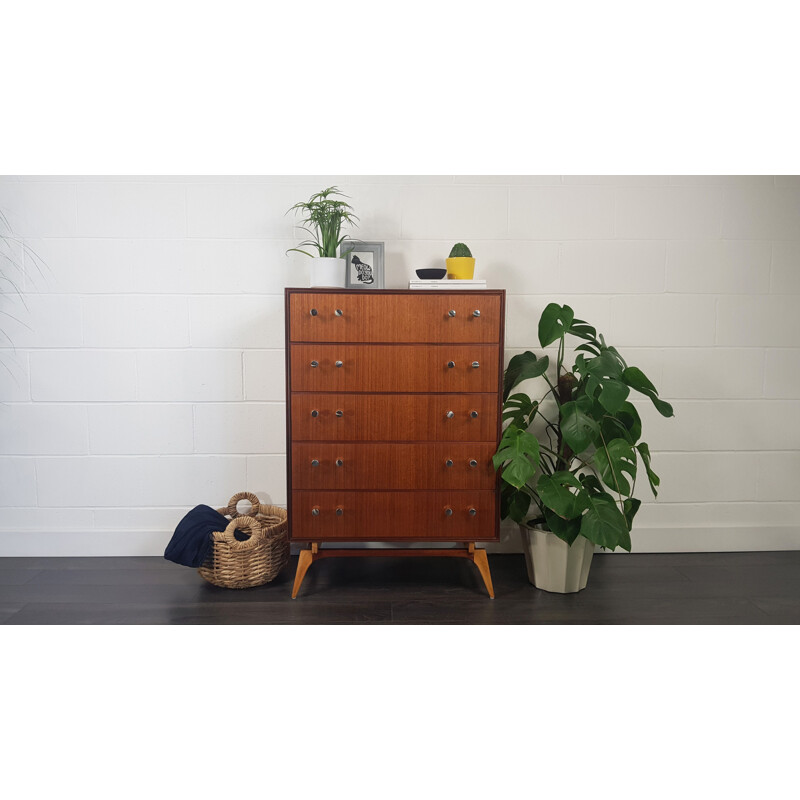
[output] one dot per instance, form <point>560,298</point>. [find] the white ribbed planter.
<point>553,565</point>
<point>328,272</point>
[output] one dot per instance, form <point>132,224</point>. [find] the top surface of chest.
<point>315,315</point>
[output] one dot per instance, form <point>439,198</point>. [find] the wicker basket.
<point>236,564</point>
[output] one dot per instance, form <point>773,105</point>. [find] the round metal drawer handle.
<point>448,511</point>
<point>315,363</point>
<point>473,462</point>
<point>339,413</point>
<point>314,312</point>
<point>475,365</point>
<point>451,312</point>
<point>450,414</point>
<point>339,312</point>
<point>449,462</point>
<point>314,462</point>
<point>339,462</point>
<point>315,512</point>
<point>339,363</point>
<point>473,414</point>
<point>476,313</point>
<point>473,512</point>
<point>451,364</point>
<point>339,511</point>
<point>315,413</point>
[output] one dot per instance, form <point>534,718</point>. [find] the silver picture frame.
<point>364,264</point>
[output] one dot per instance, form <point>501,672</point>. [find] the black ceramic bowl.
<point>431,274</point>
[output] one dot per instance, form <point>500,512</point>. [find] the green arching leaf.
<point>644,452</point>
<point>613,395</point>
<point>577,427</point>
<point>629,509</point>
<point>604,524</point>
<point>613,460</point>
<point>521,367</point>
<point>518,454</point>
<point>566,529</point>
<point>322,217</point>
<point>554,492</point>
<point>637,380</point>
<point>554,323</point>
<point>296,250</point>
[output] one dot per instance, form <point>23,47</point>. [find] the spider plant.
<point>322,218</point>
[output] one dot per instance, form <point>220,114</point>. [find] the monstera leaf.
<point>554,490</point>
<point>636,379</point>
<point>613,460</point>
<point>577,427</point>
<point>514,503</point>
<point>604,524</point>
<point>521,367</point>
<point>606,365</point>
<point>519,452</point>
<point>624,423</point>
<point>566,529</point>
<point>520,410</point>
<point>554,323</point>
<point>613,395</point>
<point>644,452</point>
<point>583,330</point>
<point>629,509</point>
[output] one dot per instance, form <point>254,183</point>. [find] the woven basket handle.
<point>248,524</point>
<point>231,511</point>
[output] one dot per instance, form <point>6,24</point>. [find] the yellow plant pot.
<point>462,269</point>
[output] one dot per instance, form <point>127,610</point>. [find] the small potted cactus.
<point>460,263</point>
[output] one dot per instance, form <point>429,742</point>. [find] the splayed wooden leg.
<point>303,563</point>
<point>482,563</point>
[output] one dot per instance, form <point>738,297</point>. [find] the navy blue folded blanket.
<point>190,545</point>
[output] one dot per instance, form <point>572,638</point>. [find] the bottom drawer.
<point>387,516</point>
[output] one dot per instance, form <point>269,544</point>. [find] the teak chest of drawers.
<point>393,402</point>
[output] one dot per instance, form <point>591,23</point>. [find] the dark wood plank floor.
<point>678,589</point>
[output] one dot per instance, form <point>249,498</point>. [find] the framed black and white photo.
<point>364,265</point>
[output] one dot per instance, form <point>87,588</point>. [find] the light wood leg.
<point>482,563</point>
<point>303,563</point>
<point>314,553</point>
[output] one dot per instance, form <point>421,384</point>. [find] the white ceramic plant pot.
<point>553,565</point>
<point>328,272</point>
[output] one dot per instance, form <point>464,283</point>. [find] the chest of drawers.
<point>393,413</point>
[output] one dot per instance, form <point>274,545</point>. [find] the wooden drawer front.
<point>394,368</point>
<point>393,418</point>
<point>378,516</point>
<point>393,466</point>
<point>394,318</point>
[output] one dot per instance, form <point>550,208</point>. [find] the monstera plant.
<point>578,478</point>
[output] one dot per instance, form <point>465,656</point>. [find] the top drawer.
<point>365,316</point>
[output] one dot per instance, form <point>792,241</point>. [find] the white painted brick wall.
<point>148,369</point>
